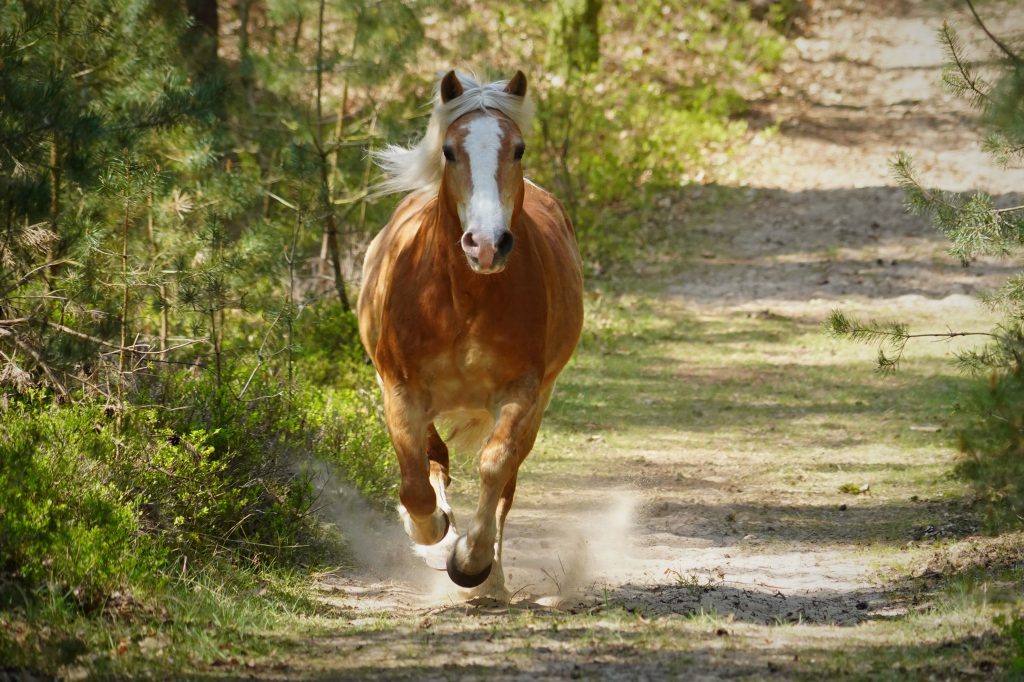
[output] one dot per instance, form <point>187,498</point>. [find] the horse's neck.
<point>440,234</point>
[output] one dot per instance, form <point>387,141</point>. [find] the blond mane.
<point>420,167</point>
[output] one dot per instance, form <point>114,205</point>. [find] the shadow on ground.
<point>467,646</point>
<point>773,244</point>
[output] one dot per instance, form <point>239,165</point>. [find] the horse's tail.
<point>466,432</point>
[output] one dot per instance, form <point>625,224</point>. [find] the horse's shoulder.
<point>384,262</point>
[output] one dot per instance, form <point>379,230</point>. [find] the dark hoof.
<point>465,579</point>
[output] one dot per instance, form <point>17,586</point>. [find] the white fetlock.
<point>428,532</point>
<point>437,483</point>
<point>436,555</point>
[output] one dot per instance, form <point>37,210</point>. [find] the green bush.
<point>351,435</point>
<point>91,499</point>
<point>990,430</point>
<point>88,496</point>
<point>657,111</point>
<point>64,522</point>
<point>327,347</point>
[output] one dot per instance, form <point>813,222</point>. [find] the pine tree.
<point>973,223</point>
<point>103,273</point>
<point>86,85</point>
<point>990,425</point>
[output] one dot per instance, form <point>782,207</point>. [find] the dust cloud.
<point>374,538</point>
<point>548,557</point>
<point>554,557</point>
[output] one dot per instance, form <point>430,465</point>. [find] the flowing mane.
<point>408,169</point>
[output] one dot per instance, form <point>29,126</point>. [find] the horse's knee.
<point>497,464</point>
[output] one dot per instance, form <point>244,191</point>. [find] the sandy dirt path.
<point>692,462</point>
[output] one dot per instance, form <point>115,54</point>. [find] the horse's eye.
<point>449,153</point>
<point>520,150</point>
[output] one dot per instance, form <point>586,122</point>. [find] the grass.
<point>207,622</point>
<point>613,643</point>
<point>651,371</point>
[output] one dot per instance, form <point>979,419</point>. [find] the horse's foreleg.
<point>504,505</point>
<point>471,559</point>
<point>425,521</point>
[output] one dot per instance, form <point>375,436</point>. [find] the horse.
<point>471,305</point>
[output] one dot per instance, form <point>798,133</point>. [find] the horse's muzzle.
<point>487,255</point>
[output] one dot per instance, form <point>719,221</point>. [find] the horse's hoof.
<point>415,532</point>
<point>465,579</point>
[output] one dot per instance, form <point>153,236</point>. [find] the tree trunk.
<point>575,36</point>
<point>202,37</point>
<point>330,220</point>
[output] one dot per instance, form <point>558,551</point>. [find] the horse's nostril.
<point>505,244</point>
<point>467,240</point>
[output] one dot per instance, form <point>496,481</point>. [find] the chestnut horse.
<point>471,305</point>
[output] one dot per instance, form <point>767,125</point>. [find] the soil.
<point>745,526</point>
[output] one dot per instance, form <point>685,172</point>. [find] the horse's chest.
<point>467,360</point>
<point>469,372</point>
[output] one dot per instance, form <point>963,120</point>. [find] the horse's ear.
<point>451,87</point>
<point>517,86</point>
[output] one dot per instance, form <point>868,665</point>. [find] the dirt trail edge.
<point>720,490</point>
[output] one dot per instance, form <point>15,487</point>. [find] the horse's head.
<point>483,177</point>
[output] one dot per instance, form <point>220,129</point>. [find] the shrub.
<point>352,435</point>
<point>88,497</point>
<point>989,423</point>
<point>64,522</point>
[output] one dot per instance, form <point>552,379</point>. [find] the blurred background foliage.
<point>183,211</point>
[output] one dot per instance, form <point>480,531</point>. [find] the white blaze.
<point>485,215</point>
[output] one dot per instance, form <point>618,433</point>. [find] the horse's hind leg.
<point>436,555</point>
<point>437,455</point>
<point>504,505</point>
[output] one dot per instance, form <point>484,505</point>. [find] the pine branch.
<point>957,76</point>
<point>892,336</point>
<point>918,199</point>
<point>973,225</point>
<point>42,364</point>
<point>1013,56</point>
